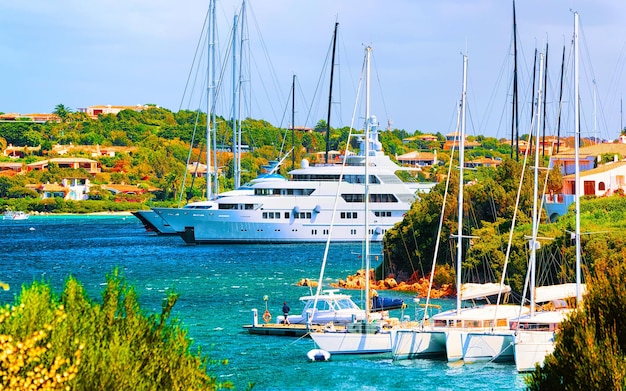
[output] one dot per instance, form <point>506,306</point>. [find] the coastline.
<point>113,213</point>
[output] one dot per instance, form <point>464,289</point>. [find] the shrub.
<point>86,345</point>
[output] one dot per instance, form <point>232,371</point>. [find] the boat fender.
<point>317,209</point>
<point>267,316</point>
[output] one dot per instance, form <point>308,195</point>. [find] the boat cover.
<point>556,292</point>
<point>473,291</point>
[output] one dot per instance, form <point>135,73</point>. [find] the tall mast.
<point>459,248</point>
<point>368,124</point>
<point>558,119</point>
<point>545,90</point>
<point>240,87</point>
<point>532,107</point>
<point>514,108</point>
<point>293,126</point>
<point>213,96</point>
<point>577,163</point>
<point>235,100</point>
<point>330,93</point>
<point>533,241</point>
<point>210,117</point>
<point>595,116</point>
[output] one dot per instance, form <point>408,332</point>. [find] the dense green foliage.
<point>121,347</point>
<point>490,198</point>
<point>162,138</point>
<point>590,351</point>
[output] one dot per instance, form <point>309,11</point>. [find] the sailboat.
<point>152,220</point>
<point>535,332</point>
<point>497,343</point>
<point>361,336</point>
<point>446,334</point>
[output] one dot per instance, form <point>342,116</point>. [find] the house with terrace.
<point>602,173</point>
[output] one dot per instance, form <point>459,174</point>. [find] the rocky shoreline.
<point>417,285</point>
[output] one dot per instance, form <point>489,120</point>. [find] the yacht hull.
<point>410,344</point>
<point>339,342</point>
<point>489,346</point>
<point>531,348</point>
<point>214,227</point>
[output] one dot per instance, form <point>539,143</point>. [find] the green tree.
<point>62,111</point>
<point>115,344</point>
<point>590,348</point>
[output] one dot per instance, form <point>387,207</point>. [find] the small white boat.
<point>328,307</point>
<point>329,310</point>
<point>15,215</point>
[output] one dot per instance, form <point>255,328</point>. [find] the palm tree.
<point>62,111</point>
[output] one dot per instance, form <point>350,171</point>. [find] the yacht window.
<point>352,197</point>
<point>346,304</point>
<point>322,306</point>
<point>383,198</point>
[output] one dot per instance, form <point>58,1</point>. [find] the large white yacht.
<point>303,208</point>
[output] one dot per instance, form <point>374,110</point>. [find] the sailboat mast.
<point>459,249</point>
<point>514,114</point>
<point>209,102</point>
<point>293,125</point>
<point>368,124</point>
<point>240,87</point>
<point>213,95</point>
<point>330,93</point>
<point>545,90</point>
<point>534,245</point>
<point>577,163</point>
<point>235,101</point>
<point>532,107</point>
<point>558,120</point>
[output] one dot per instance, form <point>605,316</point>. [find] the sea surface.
<point>218,286</point>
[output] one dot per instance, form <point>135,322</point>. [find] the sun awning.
<point>473,291</point>
<point>557,292</point>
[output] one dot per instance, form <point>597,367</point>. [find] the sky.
<point>122,52</point>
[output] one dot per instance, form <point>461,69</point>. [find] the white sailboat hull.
<point>494,345</point>
<point>354,343</point>
<point>410,344</point>
<point>531,348</point>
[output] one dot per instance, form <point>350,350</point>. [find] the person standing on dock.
<point>286,313</point>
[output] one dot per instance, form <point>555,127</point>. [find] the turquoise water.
<point>218,286</point>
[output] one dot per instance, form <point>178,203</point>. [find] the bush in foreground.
<point>71,342</point>
<point>590,351</point>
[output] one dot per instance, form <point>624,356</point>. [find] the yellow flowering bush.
<point>27,364</point>
<point>70,342</point>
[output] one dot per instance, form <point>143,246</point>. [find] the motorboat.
<point>330,310</point>
<point>15,215</point>
<point>303,208</point>
<point>330,306</point>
